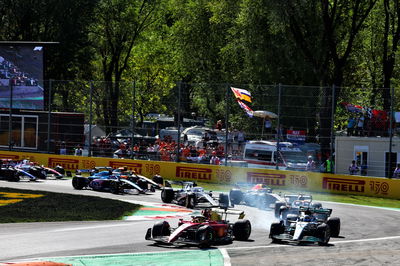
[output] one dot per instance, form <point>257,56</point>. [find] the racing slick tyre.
<point>115,187</point>
<point>276,229</point>
<point>236,196</point>
<point>167,195</point>
<point>158,179</point>
<point>190,201</point>
<point>14,177</point>
<point>142,184</point>
<point>324,233</point>
<point>60,169</point>
<point>161,228</point>
<point>278,206</point>
<point>316,205</point>
<point>223,200</point>
<point>37,172</point>
<point>334,225</point>
<point>205,236</point>
<point>79,182</point>
<point>242,230</point>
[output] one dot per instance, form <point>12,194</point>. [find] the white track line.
<point>225,255</point>
<point>335,242</point>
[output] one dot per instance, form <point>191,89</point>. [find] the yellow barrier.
<point>310,181</point>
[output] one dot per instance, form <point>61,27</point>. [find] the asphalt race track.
<point>369,236</point>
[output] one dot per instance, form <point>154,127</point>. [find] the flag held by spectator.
<point>241,94</point>
<point>245,108</point>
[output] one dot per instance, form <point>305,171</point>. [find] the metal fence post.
<point>179,121</point>
<point>390,174</point>
<point>10,116</point>
<point>49,117</point>
<point>133,117</point>
<point>90,119</point>
<point>278,131</point>
<point>333,119</point>
<point>226,124</point>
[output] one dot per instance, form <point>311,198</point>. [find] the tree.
<point>328,50</point>
<point>118,27</point>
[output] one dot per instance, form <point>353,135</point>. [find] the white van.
<point>263,154</point>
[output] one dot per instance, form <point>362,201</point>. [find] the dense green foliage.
<point>56,207</point>
<point>151,45</point>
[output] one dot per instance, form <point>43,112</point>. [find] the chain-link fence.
<point>207,123</point>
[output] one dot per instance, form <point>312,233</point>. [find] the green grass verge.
<point>55,207</point>
<point>353,199</point>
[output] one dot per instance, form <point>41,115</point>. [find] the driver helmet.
<point>307,218</point>
<point>310,157</point>
<point>206,213</point>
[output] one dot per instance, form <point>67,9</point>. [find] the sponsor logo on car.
<point>137,167</point>
<point>193,173</point>
<point>342,184</point>
<point>266,178</point>
<point>65,163</point>
<point>9,156</point>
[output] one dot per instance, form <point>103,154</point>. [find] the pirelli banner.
<point>304,181</point>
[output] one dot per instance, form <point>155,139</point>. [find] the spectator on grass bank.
<point>350,126</point>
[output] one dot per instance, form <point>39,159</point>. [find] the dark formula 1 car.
<point>310,225</point>
<point>291,203</point>
<point>209,229</point>
<point>255,195</point>
<point>190,195</point>
<point>105,181</point>
<point>140,180</point>
<point>9,172</point>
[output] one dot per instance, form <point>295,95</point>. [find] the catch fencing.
<point>123,120</point>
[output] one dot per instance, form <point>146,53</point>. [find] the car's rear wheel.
<point>190,201</point>
<point>79,182</point>
<point>278,206</point>
<point>223,200</point>
<point>161,228</point>
<point>334,225</point>
<point>143,184</point>
<point>14,177</point>
<point>115,187</point>
<point>167,195</point>
<point>236,196</point>
<point>242,230</point>
<point>158,179</point>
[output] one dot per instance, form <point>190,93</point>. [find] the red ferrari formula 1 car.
<point>203,231</point>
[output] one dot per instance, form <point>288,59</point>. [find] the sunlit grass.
<point>52,207</point>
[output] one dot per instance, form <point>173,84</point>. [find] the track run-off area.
<point>369,236</point>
